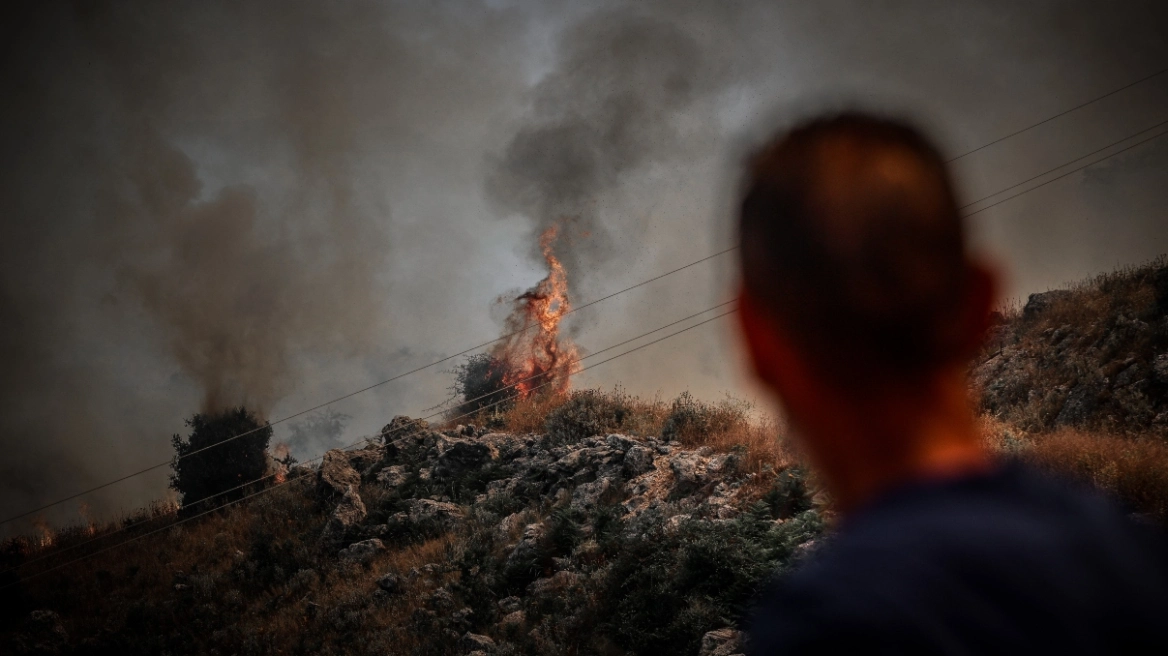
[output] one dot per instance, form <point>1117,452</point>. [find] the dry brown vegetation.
<point>1075,381</point>
<point>1132,468</point>
<point>1084,357</point>
<point>727,426</point>
<point>254,578</point>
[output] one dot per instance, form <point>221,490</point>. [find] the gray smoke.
<point>194,218</point>
<point>279,202</point>
<point>316,433</point>
<point>610,107</point>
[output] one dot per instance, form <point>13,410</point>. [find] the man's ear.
<point>749,323</point>
<point>776,361</point>
<point>767,346</point>
<point>981,295</point>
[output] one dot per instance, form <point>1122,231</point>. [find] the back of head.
<point>851,238</point>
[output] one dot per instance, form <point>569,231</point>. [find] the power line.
<point>387,434</point>
<point>355,393</point>
<point>1059,115</point>
<point>1112,145</point>
<point>604,298</point>
<point>305,475</point>
<point>1074,170</point>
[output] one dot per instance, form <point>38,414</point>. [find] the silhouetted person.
<point>861,308</point>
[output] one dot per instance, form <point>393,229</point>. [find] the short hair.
<point>851,237</point>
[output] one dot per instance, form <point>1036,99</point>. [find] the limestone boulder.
<point>336,475</point>
<point>348,514</point>
<point>721,642</point>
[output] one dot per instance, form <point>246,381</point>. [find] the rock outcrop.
<point>336,475</point>
<point>348,514</point>
<point>1095,357</point>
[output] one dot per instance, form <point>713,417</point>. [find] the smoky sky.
<point>275,203</point>
<point>608,107</point>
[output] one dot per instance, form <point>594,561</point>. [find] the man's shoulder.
<point>1014,519</point>
<point>936,555</point>
<point>1008,511</point>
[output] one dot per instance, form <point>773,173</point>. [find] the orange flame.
<point>535,356</point>
<point>279,458</point>
<point>87,521</point>
<point>45,537</point>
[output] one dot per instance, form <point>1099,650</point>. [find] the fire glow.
<point>280,462</point>
<point>44,533</point>
<point>534,355</point>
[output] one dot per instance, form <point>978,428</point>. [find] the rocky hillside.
<point>1094,356</point>
<point>456,541</point>
<point>594,523</point>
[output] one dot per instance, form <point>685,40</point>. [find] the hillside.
<point>589,523</point>
<point>1076,380</point>
<point>610,531</point>
<point>1094,356</point>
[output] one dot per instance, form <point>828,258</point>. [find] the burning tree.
<point>479,381</point>
<point>200,472</point>
<point>532,357</point>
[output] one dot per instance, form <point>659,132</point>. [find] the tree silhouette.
<point>200,472</point>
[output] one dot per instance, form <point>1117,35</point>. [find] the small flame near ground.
<point>44,537</point>
<point>281,461</point>
<point>86,520</point>
<point>535,356</point>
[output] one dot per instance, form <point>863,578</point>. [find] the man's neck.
<point>883,444</point>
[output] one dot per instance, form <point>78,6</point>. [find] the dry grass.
<point>1083,357</point>
<point>644,416</point>
<point>731,426</point>
<point>759,439</point>
<point>1133,469</point>
<point>527,415</point>
<point>1126,289</point>
<point>727,426</point>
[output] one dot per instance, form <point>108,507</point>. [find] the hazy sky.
<point>280,202</point>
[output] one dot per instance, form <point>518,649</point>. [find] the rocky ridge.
<point>1094,357</point>
<point>546,519</point>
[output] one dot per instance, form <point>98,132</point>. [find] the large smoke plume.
<point>236,300</point>
<point>194,217</point>
<point>278,202</point>
<point>610,107</point>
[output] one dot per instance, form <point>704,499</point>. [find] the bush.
<point>209,463</point>
<point>1133,469</point>
<point>666,589</point>
<point>588,413</point>
<point>692,422</point>
<point>788,495</point>
<point>480,382</point>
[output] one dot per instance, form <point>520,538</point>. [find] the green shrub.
<point>665,589</point>
<point>692,421</point>
<point>788,495</point>
<point>479,382</point>
<point>588,413</point>
<point>213,460</point>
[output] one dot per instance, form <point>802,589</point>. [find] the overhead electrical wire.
<point>355,393</point>
<point>385,435</point>
<point>477,410</point>
<point>1059,115</point>
<point>1066,173</point>
<point>630,288</point>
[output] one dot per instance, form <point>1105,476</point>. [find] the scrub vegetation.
<point>591,522</point>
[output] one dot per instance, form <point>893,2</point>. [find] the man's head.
<point>857,284</point>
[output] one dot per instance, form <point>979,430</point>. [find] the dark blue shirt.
<point>1003,563</point>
